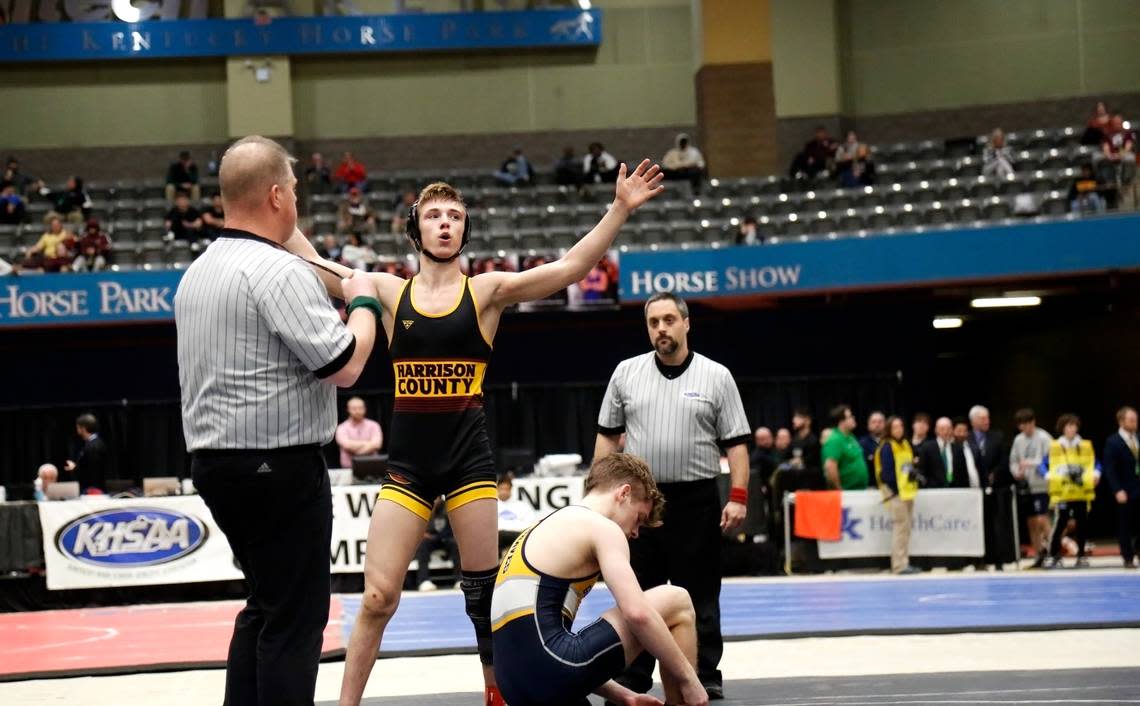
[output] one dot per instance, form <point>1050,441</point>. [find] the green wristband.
<point>370,303</point>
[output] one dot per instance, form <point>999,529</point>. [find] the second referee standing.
<point>261,352</point>
<point>678,409</point>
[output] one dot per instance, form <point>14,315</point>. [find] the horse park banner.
<point>343,34</point>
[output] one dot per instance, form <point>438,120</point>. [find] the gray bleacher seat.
<point>503,241</point>
<point>879,219</point>
<point>533,239</point>
<point>1055,203</point>
<point>937,214</point>
<point>793,225</point>
<point>563,236</point>
<point>967,211</point>
<point>908,216</point>
<point>822,223</point>
<point>528,217</point>
<point>996,208</point>
<point>850,222</point>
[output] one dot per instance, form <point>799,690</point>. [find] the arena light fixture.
<point>947,322</point>
<point>1003,302</point>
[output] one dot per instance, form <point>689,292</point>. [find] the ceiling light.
<point>943,322</point>
<point>1001,302</point>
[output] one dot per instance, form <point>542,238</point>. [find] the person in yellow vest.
<point>898,482</point>
<point>1072,476</point>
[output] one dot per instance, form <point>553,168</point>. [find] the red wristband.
<point>738,495</point>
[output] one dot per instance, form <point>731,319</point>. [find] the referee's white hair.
<point>976,411</point>
<point>250,167</point>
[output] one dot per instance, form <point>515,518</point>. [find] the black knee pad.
<point>477,588</point>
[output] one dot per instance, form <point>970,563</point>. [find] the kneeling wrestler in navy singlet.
<point>540,660</point>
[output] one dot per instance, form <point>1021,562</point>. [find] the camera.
<point>1076,473</point>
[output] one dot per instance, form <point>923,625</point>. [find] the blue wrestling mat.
<point>435,623</point>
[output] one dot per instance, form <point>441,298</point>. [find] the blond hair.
<point>621,468</point>
<point>440,191</point>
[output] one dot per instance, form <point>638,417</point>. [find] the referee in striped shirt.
<point>261,352</point>
<point>678,410</point>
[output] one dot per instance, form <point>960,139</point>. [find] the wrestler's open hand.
<point>635,189</point>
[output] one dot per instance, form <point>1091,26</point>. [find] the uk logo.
<point>848,525</point>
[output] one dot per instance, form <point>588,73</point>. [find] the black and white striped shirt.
<point>676,418</point>
<point>256,333</point>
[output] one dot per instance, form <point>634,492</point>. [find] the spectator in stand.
<point>437,535</point>
<point>514,515</point>
<point>183,221</point>
<point>91,460</point>
<point>23,183</point>
<point>783,446</point>
<point>93,249</point>
<point>72,204</point>
<point>749,233</point>
<point>1072,479</point>
<point>46,474</point>
<point>329,248</point>
<point>805,443</point>
<point>568,168</point>
<point>355,215</point>
<point>12,206</point>
<point>1085,192</point>
<point>515,170</point>
<point>357,253</point>
<point>816,156</point>
<point>182,176</point>
<point>853,163</point>
<point>876,429</point>
<point>843,466</point>
<point>1026,458</point>
<point>899,483</point>
<point>1098,125</point>
<point>400,215</point>
<point>50,251</point>
<point>213,218</point>
<point>763,458</point>
<point>596,284</point>
<point>350,173</point>
<point>992,459</point>
<point>599,166</point>
<point>1122,469</point>
<point>318,176</point>
<point>357,435</point>
<point>997,158</point>
<point>1118,157</point>
<point>684,161</point>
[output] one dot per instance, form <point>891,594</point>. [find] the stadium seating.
<point>919,186</point>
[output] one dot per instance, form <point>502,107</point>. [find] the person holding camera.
<point>1072,478</point>
<point>899,483</point>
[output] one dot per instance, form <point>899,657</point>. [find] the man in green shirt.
<point>843,464</point>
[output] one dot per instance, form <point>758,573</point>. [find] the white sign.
<point>98,541</point>
<point>946,522</point>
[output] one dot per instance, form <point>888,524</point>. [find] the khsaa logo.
<point>131,537</point>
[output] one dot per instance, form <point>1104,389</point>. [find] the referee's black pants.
<point>685,551</point>
<point>275,508</point>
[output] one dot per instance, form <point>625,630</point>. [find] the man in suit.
<point>926,452</point>
<point>1122,472</point>
<point>961,469</point>
<point>992,458</point>
<point>90,464</point>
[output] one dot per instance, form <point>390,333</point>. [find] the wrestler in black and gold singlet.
<point>438,441</point>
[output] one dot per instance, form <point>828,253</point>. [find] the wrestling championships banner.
<point>96,541</point>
